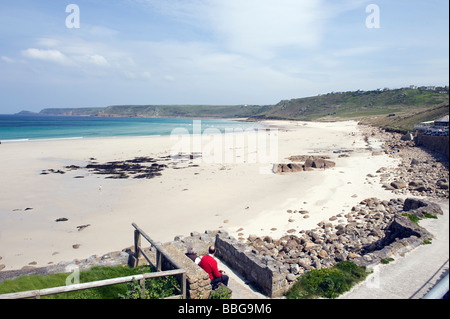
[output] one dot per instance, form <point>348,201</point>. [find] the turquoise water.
<point>14,128</point>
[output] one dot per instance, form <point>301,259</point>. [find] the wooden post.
<point>183,285</point>
<point>137,246</point>
<point>158,260</point>
<point>142,282</point>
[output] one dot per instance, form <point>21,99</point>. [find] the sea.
<point>25,128</point>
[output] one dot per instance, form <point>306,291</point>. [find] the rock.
<point>353,255</point>
<point>341,257</point>
<point>309,246</point>
<point>398,184</point>
<point>63,219</point>
<point>76,246</point>
<point>443,185</point>
<point>291,277</point>
<point>407,137</point>
<point>80,228</point>
<point>294,268</point>
<point>295,167</point>
<point>377,153</point>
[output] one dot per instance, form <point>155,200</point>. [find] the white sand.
<point>232,193</point>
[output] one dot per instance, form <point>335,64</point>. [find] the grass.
<point>387,260</point>
<point>35,282</point>
<point>327,283</point>
<point>415,219</point>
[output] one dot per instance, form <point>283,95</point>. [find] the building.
<point>442,122</point>
<point>436,127</point>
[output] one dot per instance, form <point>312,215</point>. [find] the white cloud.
<point>262,28</point>
<point>54,56</point>
<point>95,59</point>
<point>258,28</point>
<point>358,51</point>
<point>7,60</point>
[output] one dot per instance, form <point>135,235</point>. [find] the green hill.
<point>397,109</point>
<point>355,105</point>
<point>186,111</point>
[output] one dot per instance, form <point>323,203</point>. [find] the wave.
<point>42,139</point>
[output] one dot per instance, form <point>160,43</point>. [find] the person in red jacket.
<point>209,264</point>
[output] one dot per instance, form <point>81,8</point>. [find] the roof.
<point>442,119</point>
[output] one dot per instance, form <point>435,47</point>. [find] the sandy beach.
<point>236,191</point>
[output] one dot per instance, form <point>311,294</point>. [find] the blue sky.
<point>214,51</point>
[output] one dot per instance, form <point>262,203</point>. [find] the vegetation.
<point>394,110</point>
<point>327,283</point>
<point>181,111</point>
<point>415,219</point>
<point>387,260</point>
<point>220,293</point>
<point>155,287</point>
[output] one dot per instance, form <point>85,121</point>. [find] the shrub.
<point>220,293</point>
<point>386,260</point>
<point>154,288</point>
<point>327,283</point>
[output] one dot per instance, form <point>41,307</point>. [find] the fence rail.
<point>107,282</point>
<point>95,284</point>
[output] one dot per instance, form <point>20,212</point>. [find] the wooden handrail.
<point>160,251</point>
<point>107,282</point>
<point>89,285</point>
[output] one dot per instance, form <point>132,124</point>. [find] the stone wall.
<point>438,144</point>
<point>198,284</point>
<point>262,273</point>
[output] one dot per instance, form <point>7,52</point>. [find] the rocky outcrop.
<point>310,163</point>
<point>373,230</point>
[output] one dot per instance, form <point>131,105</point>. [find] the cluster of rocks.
<point>309,163</point>
<point>419,173</point>
<point>140,167</point>
<point>368,228</point>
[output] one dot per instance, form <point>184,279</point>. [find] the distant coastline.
<point>393,109</point>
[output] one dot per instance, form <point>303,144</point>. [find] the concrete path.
<point>240,289</point>
<point>413,275</point>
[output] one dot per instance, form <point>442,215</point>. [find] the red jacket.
<point>209,264</point>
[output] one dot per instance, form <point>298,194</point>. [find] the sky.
<point>96,53</point>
